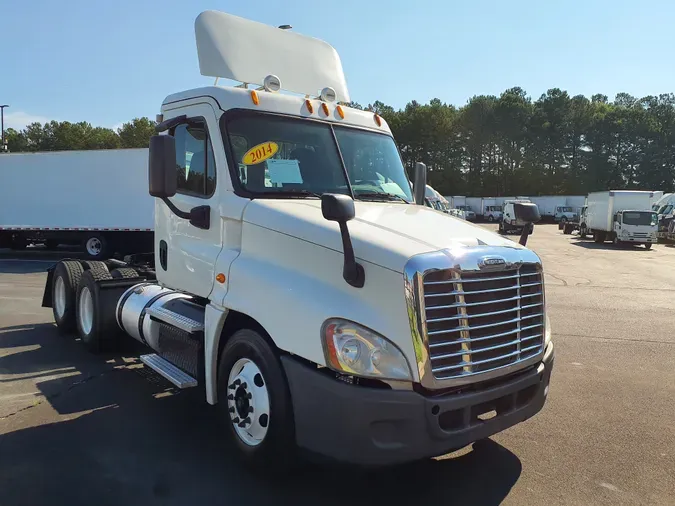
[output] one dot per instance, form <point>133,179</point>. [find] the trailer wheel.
<point>255,402</point>
<point>95,326</point>
<point>64,285</point>
<point>124,273</point>
<point>598,236</point>
<point>95,246</point>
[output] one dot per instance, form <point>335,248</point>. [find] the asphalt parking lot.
<point>82,429</point>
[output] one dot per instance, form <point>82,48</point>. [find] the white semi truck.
<point>298,282</point>
<point>97,200</point>
<point>622,216</point>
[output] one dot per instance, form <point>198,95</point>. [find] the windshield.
<point>279,156</point>
<point>494,208</point>
<point>667,209</point>
<point>566,210</point>
<point>464,208</point>
<point>639,218</point>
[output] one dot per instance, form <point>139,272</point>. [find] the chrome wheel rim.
<point>60,296</point>
<point>248,402</point>
<point>86,310</point>
<point>94,246</point>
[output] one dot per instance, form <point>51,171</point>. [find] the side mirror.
<point>162,166</point>
<point>336,207</point>
<point>526,213</point>
<point>340,208</point>
<point>420,184</point>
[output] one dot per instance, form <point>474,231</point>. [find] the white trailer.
<point>547,204</point>
<point>622,216</point>
<point>96,199</point>
<point>475,204</point>
<point>575,201</point>
<point>302,284</point>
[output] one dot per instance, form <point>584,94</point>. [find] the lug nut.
<point>237,382</point>
<point>244,385</point>
<point>230,397</point>
<point>231,410</point>
<point>236,419</point>
<point>250,409</point>
<point>249,396</point>
<point>245,422</point>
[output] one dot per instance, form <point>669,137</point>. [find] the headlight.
<point>353,349</point>
<point>547,332</point>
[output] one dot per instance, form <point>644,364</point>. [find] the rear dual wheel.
<point>96,325</point>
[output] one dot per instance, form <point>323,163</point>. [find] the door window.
<point>195,164</point>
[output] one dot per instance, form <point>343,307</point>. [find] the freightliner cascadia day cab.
<point>297,280</point>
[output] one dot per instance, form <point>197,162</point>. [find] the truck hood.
<point>386,234</point>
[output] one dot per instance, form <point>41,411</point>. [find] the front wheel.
<point>254,400</point>
<point>491,218</point>
<point>502,230</point>
<point>648,245</point>
<point>563,220</point>
<point>616,240</point>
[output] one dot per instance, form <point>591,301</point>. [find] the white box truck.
<point>300,281</point>
<point>475,205</point>
<point>491,211</point>
<point>622,216</point>
<point>96,199</point>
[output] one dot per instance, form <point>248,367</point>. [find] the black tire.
<point>598,237</point>
<point>94,265</point>
<point>70,273</point>
<point>51,244</point>
<point>124,273</point>
<point>491,218</point>
<point>567,229</point>
<point>616,240</point>
<point>648,245</point>
<point>583,232</point>
<point>103,332</point>
<point>502,229</point>
<point>277,448</point>
<point>95,246</point>
<point>563,220</point>
<point>18,243</point>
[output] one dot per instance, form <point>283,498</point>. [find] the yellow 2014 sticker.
<point>260,153</point>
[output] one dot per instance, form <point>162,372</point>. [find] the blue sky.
<point>107,62</point>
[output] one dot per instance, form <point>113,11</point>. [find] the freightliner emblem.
<point>491,262</point>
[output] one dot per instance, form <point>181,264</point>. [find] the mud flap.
<point>47,295</point>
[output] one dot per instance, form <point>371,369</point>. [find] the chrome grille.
<point>482,321</point>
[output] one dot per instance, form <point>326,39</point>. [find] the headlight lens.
<point>354,349</point>
<point>547,332</point>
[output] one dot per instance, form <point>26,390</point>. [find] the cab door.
<point>185,252</point>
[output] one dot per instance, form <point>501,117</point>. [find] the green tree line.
<point>65,136</point>
<point>505,145</point>
<point>558,144</point>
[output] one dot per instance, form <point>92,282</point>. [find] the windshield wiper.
<point>381,196</point>
<point>291,193</point>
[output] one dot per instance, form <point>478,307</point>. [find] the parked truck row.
<point>299,280</point>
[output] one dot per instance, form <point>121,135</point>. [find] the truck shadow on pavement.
<point>590,244</point>
<point>118,439</point>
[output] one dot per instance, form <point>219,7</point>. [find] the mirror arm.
<point>181,214</point>
<point>527,230</point>
<point>352,272</point>
<point>199,216</point>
